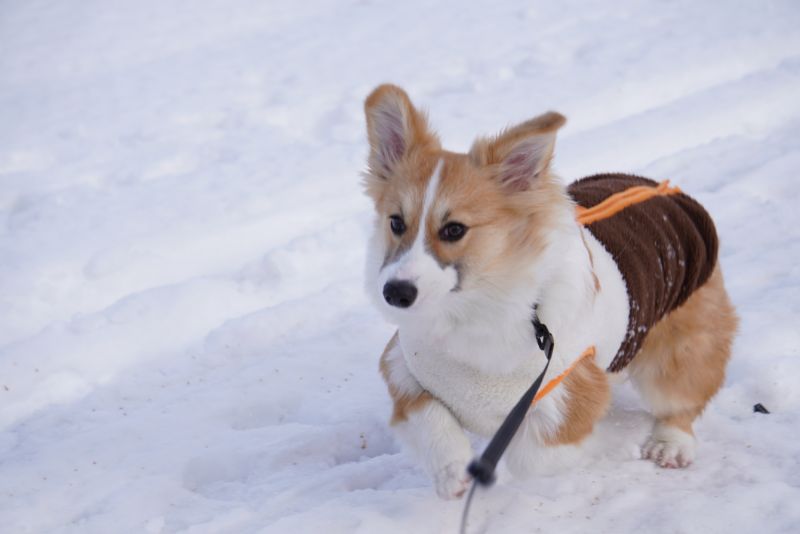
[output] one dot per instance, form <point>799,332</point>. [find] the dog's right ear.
<point>394,128</point>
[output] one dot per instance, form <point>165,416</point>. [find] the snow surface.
<point>185,343</point>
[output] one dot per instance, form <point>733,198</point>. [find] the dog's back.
<point>665,248</point>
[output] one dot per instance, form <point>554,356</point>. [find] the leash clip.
<point>543,337</point>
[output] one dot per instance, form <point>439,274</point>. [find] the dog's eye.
<point>397,225</point>
<point>452,231</point>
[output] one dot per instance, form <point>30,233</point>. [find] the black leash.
<point>482,469</point>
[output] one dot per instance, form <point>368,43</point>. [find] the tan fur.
<point>500,230</point>
<point>595,280</point>
<point>415,125</point>
<point>506,231</point>
<point>491,150</point>
<point>403,403</point>
<point>682,362</point>
<point>588,397</point>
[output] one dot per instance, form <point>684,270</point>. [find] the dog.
<point>466,247</point>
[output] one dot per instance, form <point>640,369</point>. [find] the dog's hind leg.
<point>681,366</point>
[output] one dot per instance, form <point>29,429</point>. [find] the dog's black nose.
<point>399,293</point>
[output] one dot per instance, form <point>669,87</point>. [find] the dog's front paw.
<point>669,447</point>
<point>452,480</point>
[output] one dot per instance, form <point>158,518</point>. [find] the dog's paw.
<point>452,481</point>
<point>669,447</point>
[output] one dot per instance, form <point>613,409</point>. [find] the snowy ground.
<point>185,345</point>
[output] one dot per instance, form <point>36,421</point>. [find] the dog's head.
<point>454,229</point>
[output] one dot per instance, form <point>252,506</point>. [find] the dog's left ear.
<point>522,153</point>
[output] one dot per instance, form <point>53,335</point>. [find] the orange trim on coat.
<point>619,201</point>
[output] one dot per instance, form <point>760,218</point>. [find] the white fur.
<point>669,446</point>
<point>437,440</point>
<point>475,351</point>
<point>527,456</point>
<point>611,303</point>
<point>418,266</point>
<point>432,434</point>
<point>480,368</point>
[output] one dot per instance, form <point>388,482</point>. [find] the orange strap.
<point>619,201</point>
<point>588,353</point>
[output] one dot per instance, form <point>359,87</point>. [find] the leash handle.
<point>482,469</point>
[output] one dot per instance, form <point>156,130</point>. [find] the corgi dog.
<point>466,247</point>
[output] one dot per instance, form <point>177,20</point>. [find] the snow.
<point>185,342</point>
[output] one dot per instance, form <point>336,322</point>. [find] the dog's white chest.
<point>479,400</point>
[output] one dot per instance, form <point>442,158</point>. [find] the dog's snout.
<point>399,293</point>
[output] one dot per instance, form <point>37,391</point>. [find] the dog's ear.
<point>521,153</point>
<point>394,127</point>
